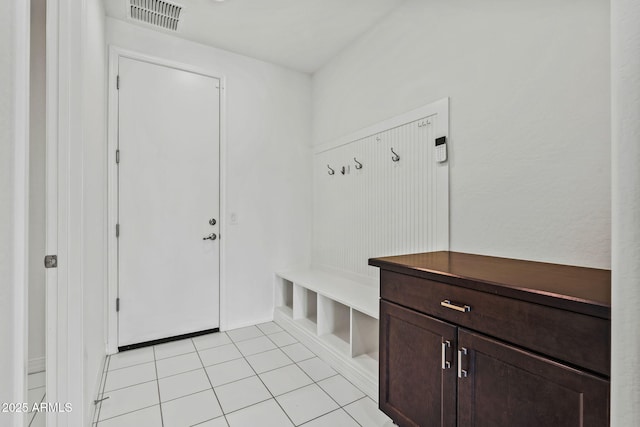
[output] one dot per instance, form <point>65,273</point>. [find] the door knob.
<point>212,221</point>
<point>211,236</point>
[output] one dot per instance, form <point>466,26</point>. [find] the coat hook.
<point>395,157</point>
<point>343,170</point>
<point>358,165</point>
<point>331,171</point>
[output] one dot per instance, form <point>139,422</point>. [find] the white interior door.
<point>168,178</point>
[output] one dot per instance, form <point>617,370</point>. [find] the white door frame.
<point>64,318</point>
<point>115,53</point>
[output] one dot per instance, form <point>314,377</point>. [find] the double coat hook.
<point>331,171</point>
<point>358,164</point>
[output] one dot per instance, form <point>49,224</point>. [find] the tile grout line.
<point>264,385</point>
<point>325,392</point>
<point>210,383</point>
<point>210,419</point>
<point>357,400</point>
<point>331,397</point>
<point>363,397</point>
<point>144,382</point>
<point>158,385</point>
<point>331,412</point>
<point>105,372</point>
<point>132,366</point>
<point>185,395</point>
<point>248,406</point>
<point>129,412</point>
<point>33,417</point>
<point>345,378</point>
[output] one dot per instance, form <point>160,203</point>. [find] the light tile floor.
<point>259,376</point>
<point>35,394</point>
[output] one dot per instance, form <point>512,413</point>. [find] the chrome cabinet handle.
<point>461,308</point>
<point>461,372</point>
<point>445,364</point>
<point>211,236</point>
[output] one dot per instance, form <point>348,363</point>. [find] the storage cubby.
<point>364,340</point>
<point>284,295</point>
<point>305,308</point>
<point>334,323</point>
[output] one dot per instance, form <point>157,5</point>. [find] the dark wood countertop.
<point>579,289</point>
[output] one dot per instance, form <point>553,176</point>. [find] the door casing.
<point>115,53</point>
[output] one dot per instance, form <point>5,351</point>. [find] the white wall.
<point>94,198</point>
<point>268,165</point>
<point>37,147</point>
<point>14,145</point>
<point>530,127</point>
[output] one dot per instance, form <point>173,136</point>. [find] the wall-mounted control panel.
<point>441,149</point>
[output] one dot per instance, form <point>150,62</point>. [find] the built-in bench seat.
<point>334,315</point>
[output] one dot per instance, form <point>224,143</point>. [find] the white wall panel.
<point>386,207</point>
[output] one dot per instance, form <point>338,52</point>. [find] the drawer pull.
<point>445,364</point>
<point>461,372</point>
<point>461,308</point>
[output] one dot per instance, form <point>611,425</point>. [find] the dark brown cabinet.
<point>482,349</point>
<point>416,390</point>
<point>507,386</point>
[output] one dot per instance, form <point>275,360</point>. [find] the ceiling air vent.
<point>156,12</point>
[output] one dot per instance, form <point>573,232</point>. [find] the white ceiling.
<point>298,34</point>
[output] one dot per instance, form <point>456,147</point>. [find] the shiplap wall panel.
<point>385,208</point>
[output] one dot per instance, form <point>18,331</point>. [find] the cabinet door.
<point>506,386</point>
<point>415,390</point>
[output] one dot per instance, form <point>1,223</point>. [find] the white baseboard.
<point>37,364</point>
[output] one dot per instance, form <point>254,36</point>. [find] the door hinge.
<point>51,261</point>
<point>118,155</point>
<point>118,82</point>
<point>117,304</point>
<point>117,230</point>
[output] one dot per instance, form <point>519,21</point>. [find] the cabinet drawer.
<point>574,338</point>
